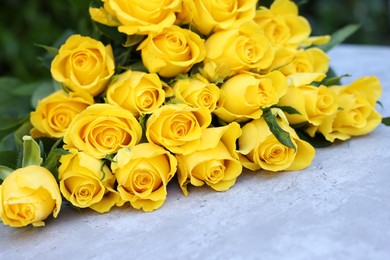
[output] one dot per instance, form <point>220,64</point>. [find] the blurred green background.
<point>28,22</point>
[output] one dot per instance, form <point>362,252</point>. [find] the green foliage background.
<point>28,22</point>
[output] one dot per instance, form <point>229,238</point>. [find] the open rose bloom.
<point>187,93</point>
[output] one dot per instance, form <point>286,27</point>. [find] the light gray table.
<point>338,208</point>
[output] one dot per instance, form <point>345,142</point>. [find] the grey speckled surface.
<point>338,208</point>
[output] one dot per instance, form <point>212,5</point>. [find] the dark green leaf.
<point>41,92</point>
<point>8,142</point>
<point>317,141</point>
<point>4,172</point>
<point>333,80</point>
<point>53,51</point>
<point>10,125</point>
<point>81,4</point>
<point>12,103</point>
<point>339,36</point>
<point>52,161</point>
<point>138,66</point>
<point>386,121</point>
<point>111,33</point>
<point>300,125</point>
<point>142,121</point>
<point>280,134</point>
<point>288,109</point>
<point>95,3</point>
<point>9,159</point>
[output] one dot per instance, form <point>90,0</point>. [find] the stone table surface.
<point>338,208</point>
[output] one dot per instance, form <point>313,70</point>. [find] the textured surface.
<point>338,208</point>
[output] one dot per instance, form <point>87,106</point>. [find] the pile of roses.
<point>203,89</point>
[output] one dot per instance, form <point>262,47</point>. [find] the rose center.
<point>23,211</point>
<point>84,193</point>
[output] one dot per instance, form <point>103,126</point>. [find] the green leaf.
<point>8,158</point>
<point>133,40</point>
<point>81,4</point>
<point>23,130</point>
<point>111,32</point>
<point>96,3</point>
<point>302,125</point>
<point>50,49</point>
<point>12,104</point>
<point>4,172</point>
<point>44,90</point>
<point>138,66</point>
<point>318,141</point>
<point>288,109</point>
<point>280,134</point>
<point>333,80</point>
<point>31,152</point>
<point>339,36</point>
<point>386,121</point>
<point>52,161</point>
<point>174,101</point>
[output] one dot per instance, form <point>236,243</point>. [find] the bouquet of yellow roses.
<point>198,89</point>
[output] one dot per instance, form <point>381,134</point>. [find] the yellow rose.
<point>143,174</point>
<point>86,182</point>
<point>177,127</point>
<point>308,60</point>
<point>197,92</point>
<point>214,72</point>
<point>313,103</point>
<point>243,95</point>
<point>138,92</point>
<point>83,64</point>
<point>172,51</point>
<point>282,25</point>
<point>215,162</point>
<point>55,112</point>
<point>102,129</point>
<point>28,196</point>
<point>137,17</point>
<point>243,48</point>
<point>259,149</point>
<point>356,114</point>
<point>214,15</point>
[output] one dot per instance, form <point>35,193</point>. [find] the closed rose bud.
<point>28,196</point>
<point>356,114</point>
<point>259,149</point>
